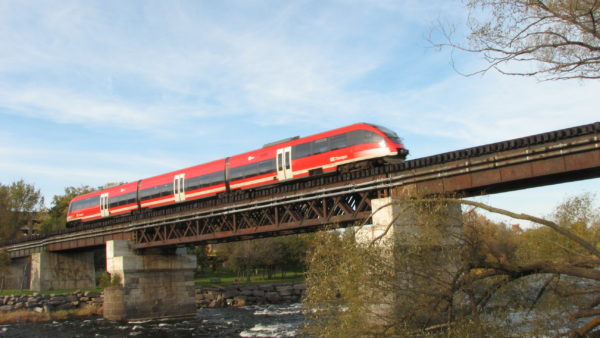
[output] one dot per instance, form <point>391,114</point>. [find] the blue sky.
<point>106,91</point>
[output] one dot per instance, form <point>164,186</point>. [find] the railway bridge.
<point>148,249</point>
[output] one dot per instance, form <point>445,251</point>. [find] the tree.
<point>560,37</point>
<point>544,280</point>
<point>19,203</point>
<point>8,219</point>
<point>267,254</point>
<point>57,214</point>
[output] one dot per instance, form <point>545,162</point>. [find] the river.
<point>282,320</point>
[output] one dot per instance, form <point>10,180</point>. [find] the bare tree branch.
<point>560,37</point>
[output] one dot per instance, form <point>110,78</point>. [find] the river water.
<point>282,320</point>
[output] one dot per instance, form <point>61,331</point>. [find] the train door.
<point>104,205</point>
<point>179,188</point>
<point>284,163</point>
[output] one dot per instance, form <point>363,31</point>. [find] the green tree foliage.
<point>203,260</point>
<point>8,219</point>
<point>56,217</point>
<point>559,37</point>
<point>575,215</point>
<point>340,276</point>
<point>268,254</point>
<point>19,204</point>
<point>484,280</point>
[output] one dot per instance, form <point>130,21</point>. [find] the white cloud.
<point>269,66</point>
<point>69,106</point>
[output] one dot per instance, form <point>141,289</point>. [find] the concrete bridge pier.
<point>154,283</point>
<point>18,275</point>
<point>426,257</point>
<point>62,270</point>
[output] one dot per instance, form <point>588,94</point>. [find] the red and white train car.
<point>280,161</point>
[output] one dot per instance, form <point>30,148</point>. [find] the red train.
<point>275,162</point>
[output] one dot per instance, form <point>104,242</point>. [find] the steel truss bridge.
<point>342,199</point>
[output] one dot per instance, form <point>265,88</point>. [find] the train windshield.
<point>389,133</point>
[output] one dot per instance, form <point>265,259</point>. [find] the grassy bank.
<point>29,293</point>
<point>224,277</point>
<point>25,316</point>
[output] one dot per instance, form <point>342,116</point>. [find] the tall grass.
<point>26,316</point>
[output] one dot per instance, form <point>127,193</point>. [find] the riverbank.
<point>41,303</point>
<point>253,294</point>
<point>38,307</point>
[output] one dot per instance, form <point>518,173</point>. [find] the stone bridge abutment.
<point>153,283</point>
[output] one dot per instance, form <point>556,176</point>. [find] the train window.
<point>253,169</point>
<point>266,166</point>
<point>145,194</point>
<point>280,161</point>
<point>338,141</point>
<point>354,137</point>
<point>85,203</point>
<point>389,133</point>
<point>157,191</point>
<point>204,181</point>
<point>122,200</point>
<point>374,137</point>
<point>167,189</point>
<point>287,160</point>
<point>363,136</point>
<point>236,173</point>
<point>321,146</point>
<point>301,150</point>
<point>241,172</point>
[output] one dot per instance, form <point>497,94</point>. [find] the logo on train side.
<point>337,158</point>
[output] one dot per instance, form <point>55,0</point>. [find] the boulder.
<point>6,308</point>
<point>66,306</point>
<point>247,292</point>
<point>285,290</point>
<point>91,294</point>
<point>230,293</point>
<point>273,297</point>
<point>266,287</point>
<point>300,287</point>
